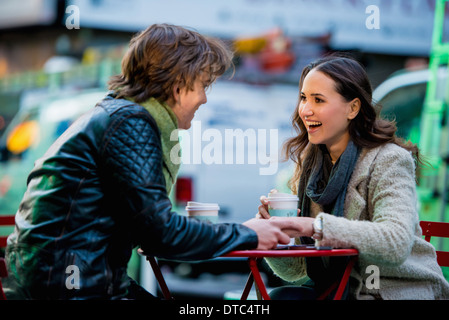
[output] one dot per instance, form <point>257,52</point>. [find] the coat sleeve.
<point>290,269</point>
<point>388,235</point>
<point>133,159</point>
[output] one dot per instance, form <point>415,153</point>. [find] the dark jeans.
<point>136,292</point>
<point>306,291</point>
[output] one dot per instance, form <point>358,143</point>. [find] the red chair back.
<point>437,229</point>
<point>5,221</point>
<point>3,274</point>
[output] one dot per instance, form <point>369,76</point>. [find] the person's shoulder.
<point>120,107</point>
<point>392,149</point>
<point>390,153</point>
<point>123,112</point>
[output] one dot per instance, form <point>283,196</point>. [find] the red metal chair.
<point>437,229</point>
<point>158,274</point>
<point>5,221</point>
<point>160,278</point>
<point>3,274</point>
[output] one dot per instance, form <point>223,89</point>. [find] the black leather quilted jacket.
<point>97,193</point>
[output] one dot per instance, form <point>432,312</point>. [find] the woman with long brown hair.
<point>355,180</point>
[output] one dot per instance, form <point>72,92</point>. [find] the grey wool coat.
<point>381,221</point>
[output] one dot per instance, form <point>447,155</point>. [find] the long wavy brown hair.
<point>367,129</point>
<point>165,55</point>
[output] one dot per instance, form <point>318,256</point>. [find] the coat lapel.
<point>357,192</point>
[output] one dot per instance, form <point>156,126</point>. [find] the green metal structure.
<point>434,139</point>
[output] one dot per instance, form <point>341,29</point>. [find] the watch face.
<point>318,224</point>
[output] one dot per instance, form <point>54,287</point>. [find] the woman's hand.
<point>295,226</point>
<point>279,230</point>
<point>263,208</point>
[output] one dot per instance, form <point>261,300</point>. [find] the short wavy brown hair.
<point>165,55</point>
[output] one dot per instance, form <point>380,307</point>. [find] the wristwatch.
<point>318,229</point>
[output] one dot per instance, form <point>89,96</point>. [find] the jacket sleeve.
<point>388,236</point>
<point>132,155</point>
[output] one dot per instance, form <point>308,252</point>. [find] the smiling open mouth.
<point>313,124</point>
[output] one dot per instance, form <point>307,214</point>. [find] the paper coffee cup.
<point>282,205</point>
<point>203,211</point>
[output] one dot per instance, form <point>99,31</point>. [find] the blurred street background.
<point>57,56</point>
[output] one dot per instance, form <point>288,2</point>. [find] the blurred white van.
<point>231,154</point>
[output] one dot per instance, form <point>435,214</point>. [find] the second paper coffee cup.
<point>203,211</point>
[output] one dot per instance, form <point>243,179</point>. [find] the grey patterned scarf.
<point>326,185</point>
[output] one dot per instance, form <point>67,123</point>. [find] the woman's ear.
<point>355,108</point>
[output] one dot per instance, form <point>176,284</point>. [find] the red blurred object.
<point>4,221</point>
<point>277,62</point>
<point>184,190</point>
<point>277,56</point>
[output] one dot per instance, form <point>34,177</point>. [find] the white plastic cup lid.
<point>278,196</point>
<point>198,206</point>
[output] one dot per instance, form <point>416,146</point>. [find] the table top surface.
<point>286,251</point>
<point>293,251</point>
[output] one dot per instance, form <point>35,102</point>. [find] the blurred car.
<point>42,117</point>
<point>402,97</point>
